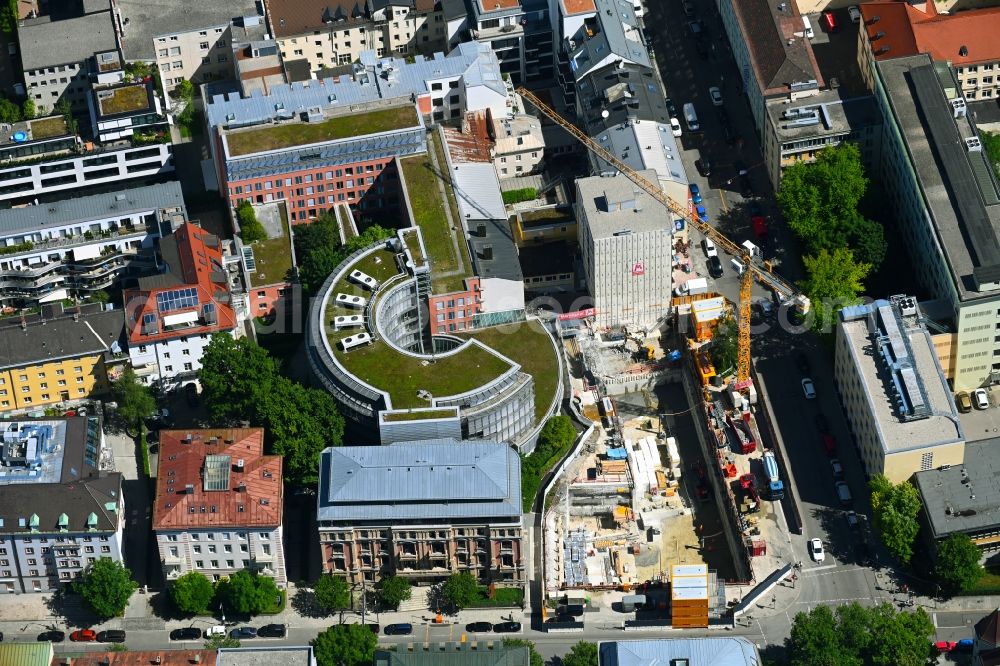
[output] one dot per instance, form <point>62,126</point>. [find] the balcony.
<point>265,557</point>
<point>169,559</point>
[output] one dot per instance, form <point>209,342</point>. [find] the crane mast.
<point>762,272</point>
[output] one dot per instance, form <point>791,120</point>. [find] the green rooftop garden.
<point>546,216</point>
<point>124,100</point>
<point>289,134</point>
<point>45,128</point>
<point>420,414</point>
<point>274,260</point>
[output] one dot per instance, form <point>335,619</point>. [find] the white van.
<point>808,28</point>
<point>691,118</point>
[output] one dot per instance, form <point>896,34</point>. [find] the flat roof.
<point>265,656</point>
<point>26,654</point>
<point>46,43</point>
<point>499,655</point>
<point>140,658</point>
<point>146,21</point>
<point>614,205</point>
<point>825,114</point>
<point>429,479</point>
<point>728,651</point>
<point>963,498</point>
<point>941,425</point>
<point>29,219</point>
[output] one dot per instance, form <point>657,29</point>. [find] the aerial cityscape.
<point>499,333</point>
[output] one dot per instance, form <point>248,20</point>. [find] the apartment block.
<point>965,40</point>
<point>121,110</point>
<point>218,506</point>
<point>456,506</point>
<point>931,150</point>
<point>626,250</point>
<point>335,34</point>
<point>186,41</point>
<point>59,512</point>
<point>896,398</point>
<point>349,130</point>
<point>518,145</point>
<point>76,247</point>
<point>59,357</point>
<point>43,156</point>
<point>63,50</point>
<point>171,316</point>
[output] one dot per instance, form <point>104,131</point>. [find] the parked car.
<point>671,108</point>
<point>963,401</point>
<point>716,95</point>
<point>837,469</point>
<point>829,21</point>
<point>829,444</point>
<point>755,209</point>
<point>715,267</point>
<point>852,520</point>
<point>506,627</point>
<point>808,388</point>
<point>400,629</point>
<point>694,27</point>
<point>945,646</point>
<point>217,630</point>
<point>843,493</point>
<point>479,627</point>
<point>83,636</point>
<point>822,424</point>
<point>702,213</point>
<point>243,632</point>
<point>816,550</point>
<point>111,636</point>
<point>709,248</point>
<point>854,13</point>
<point>981,398</point>
<point>185,634</point>
<point>704,167</point>
<point>675,127</point>
<point>51,636</point>
<point>695,193</point>
<point>274,631</point>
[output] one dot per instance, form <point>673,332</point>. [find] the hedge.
<point>145,452</point>
<point>523,194</point>
<point>503,597</point>
<point>555,439</point>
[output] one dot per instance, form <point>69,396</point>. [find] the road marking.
<point>828,566</point>
<point>934,618</point>
<point>722,197</point>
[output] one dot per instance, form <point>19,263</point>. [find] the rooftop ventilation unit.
<point>364,280</point>
<point>973,144</point>
<point>350,301</point>
<point>349,321</point>
<point>958,107</point>
<point>353,341</point>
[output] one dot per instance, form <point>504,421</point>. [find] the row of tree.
<point>820,203</point>
<point>333,593</point>
<point>244,592</point>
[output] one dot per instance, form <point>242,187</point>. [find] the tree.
<point>834,282</point>
<point>814,640</point>
<point>894,512</point>
<point>820,202</point>
<point>957,567</point>
<point>583,653</point>
<point>106,586</point>
<point>247,592</point>
<point>725,344</point>
<point>535,659</point>
<point>135,400</point>
<point>223,641</point>
<point>460,590</point>
<point>192,593</point>
<point>9,111</point>
<point>345,645</point>
<point>28,109</point>
<point>65,109</point>
<point>8,18</point>
<point>332,592</point>
<point>899,639</point>
<point>319,251</point>
<point>251,230</point>
<point>394,590</point>
<point>184,91</point>
<point>235,375</point>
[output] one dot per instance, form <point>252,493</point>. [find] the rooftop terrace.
<point>126,99</point>
<point>297,133</point>
<point>273,256</point>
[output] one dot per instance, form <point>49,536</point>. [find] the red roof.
<point>245,484</point>
<point>907,30</point>
<point>146,658</point>
<point>194,261</point>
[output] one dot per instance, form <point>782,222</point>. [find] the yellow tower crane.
<point>753,266</point>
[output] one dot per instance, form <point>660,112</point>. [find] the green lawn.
<point>274,260</point>
<point>504,597</point>
<point>43,128</point>
<point>272,137</point>
<point>129,98</point>
<point>422,414</point>
<point>429,214</point>
<point>528,344</point>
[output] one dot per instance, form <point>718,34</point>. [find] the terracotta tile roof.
<point>146,658</point>
<point>780,53</point>
<point>295,17</point>
<point>574,7</point>
<point>496,5</point>
<point>194,260</point>
<point>256,488</point>
<point>907,30</point>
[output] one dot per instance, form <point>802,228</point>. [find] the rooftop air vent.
<point>973,144</point>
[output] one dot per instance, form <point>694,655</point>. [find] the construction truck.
<point>776,486</point>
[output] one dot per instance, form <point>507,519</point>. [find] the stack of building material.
<point>674,459</point>
<point>689,595</point>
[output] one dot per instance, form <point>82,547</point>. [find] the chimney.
<point>487,252</point>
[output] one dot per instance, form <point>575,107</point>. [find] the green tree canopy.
<point>135,400</point>
<point>251,230</point>
<point>857,635</point>
<point>240,381</point>
<point>106,586</point>
<point>28,109</point>
<point>834,281</point>
<point>534,658</point>
<point>9,111</point>
<point>957,567</point>
<point>345,645</point>
<point>460,590</point>
<point>894,512</point>
<point>394,590</point>
<point>247,592</point>
<point>725,344</point>
<point>319,251</point>
<point>583,653</point>
<point>192,593</point>
<point>332,592</point>
<point>820,201</point>
<point>221,641</point>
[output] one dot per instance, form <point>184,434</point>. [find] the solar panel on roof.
<point>177,299</point>
<point>248,260</point>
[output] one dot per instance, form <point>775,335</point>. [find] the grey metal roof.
<point>625,93</point>
<point>286,655</point>
<point>500,655</point>
<point>477,189</point>
<point>45,43</point>
<point>49,338</point>
<point>728,651</point>
<point>948,502</point>
<point>503,263</point>
<point>376,78</point>
<point>432,479</point>
<point>148,20</point>
<point>615,37</point>
<point>93,207</point>
<point>611,205</point>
